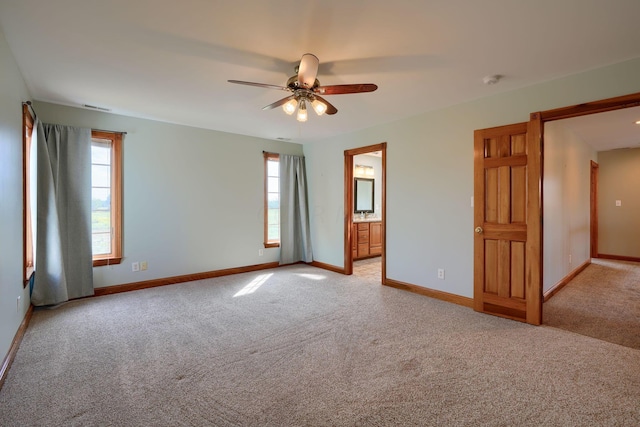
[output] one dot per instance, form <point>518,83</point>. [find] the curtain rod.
<point>110,131</point>
<point>28,104</point>
<point>97,130</point>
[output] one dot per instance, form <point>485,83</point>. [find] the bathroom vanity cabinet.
<point>367,239</point>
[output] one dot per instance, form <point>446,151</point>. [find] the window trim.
<point>115,257</point>
<point>268,243</point>
<point>28,257</point>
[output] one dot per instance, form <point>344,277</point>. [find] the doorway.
<point>534,272</point>
<point>365,221</point>
<point>612,136</point>
<point>597,295</point>
<point>604,149</point>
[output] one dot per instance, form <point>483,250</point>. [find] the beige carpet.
<point>601,302</point>
<point>299,346</point>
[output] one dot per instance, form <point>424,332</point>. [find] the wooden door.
<point>507,218</point>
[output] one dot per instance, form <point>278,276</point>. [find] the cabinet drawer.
<point>362,226</point>
<point>363,236</point>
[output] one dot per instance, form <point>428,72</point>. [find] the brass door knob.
<point>479,230</point>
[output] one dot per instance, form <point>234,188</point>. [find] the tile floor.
<point>369,269</point>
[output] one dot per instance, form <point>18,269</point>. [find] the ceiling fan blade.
<point>308,70</point>
<point>330,108</point>
<point>264,85</point>
<point>341,89</point>
<point>279,103</point>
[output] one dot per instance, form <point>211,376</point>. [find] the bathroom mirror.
<point>363,195</point>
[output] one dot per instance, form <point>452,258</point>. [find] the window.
<point>106,197</point>
<point>27,233</point>
<point>271,200</point>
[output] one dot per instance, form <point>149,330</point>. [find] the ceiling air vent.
<point>93,107</point>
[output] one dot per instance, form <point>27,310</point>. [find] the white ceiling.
<point>170,60</point>
<point>608,131</point>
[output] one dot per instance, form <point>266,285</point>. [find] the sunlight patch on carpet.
<point>313,276</point>
<point>253,285</point>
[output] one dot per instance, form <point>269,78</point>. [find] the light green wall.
<point>193,198</point>
<point>12,93</point>
<point>619,179</point>
<point>567,202</point>
<point>430,176</point>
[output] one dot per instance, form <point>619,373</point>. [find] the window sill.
<point>272,245</point>
<point>99,262</point>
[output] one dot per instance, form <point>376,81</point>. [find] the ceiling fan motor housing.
<point>294,84</point>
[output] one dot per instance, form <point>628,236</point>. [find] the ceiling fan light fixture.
<point>319,107</point>
<point>304,88</point>
<point>289,107</point>
<point>302,112</point>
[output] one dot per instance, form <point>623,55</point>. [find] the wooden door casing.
<point>507,215</point>
<point>595,170</point>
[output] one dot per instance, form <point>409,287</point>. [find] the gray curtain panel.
<point>64,262</point>
<point>295,235</point>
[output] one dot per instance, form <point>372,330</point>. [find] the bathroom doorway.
<point>365,217</point>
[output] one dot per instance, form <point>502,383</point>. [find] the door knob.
<point>479,230</point>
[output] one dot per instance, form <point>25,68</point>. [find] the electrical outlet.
<point>135,266</point>
<point>260,252</point>
<point>441,273</point>
<point>18,304</point>
<point>569,259</point>
<point>143,265</point>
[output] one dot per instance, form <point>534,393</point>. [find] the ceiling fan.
<point>306,89</point>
